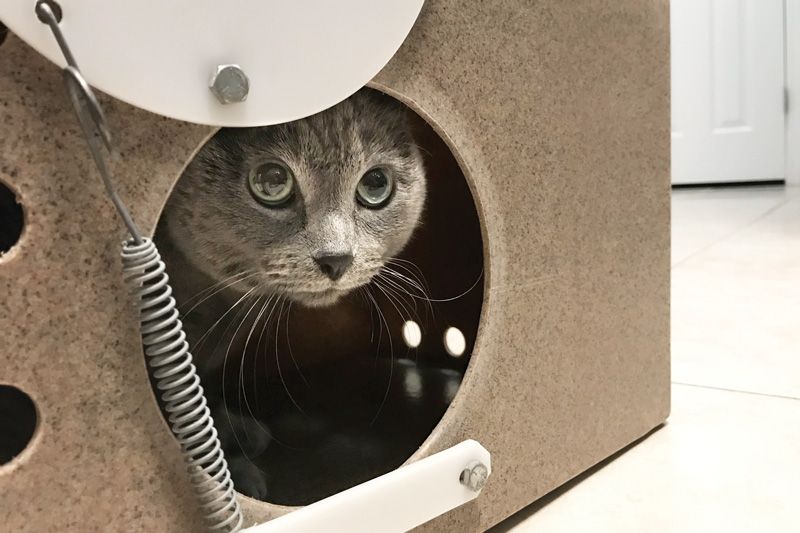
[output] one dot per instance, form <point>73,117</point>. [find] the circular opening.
<point>18,421</point>
<point>314,391</point>
<point>11,219</point>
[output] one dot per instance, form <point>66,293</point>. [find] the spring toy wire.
<point>169,361</point>
<point>178,384</point>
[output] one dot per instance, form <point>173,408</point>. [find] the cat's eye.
<point>374,189</point>
<point>272,184</point>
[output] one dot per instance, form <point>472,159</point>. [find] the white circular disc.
<point>300,57</point>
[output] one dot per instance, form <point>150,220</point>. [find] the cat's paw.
<point>248,479</point>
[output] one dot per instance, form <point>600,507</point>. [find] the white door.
<point>727,90</point>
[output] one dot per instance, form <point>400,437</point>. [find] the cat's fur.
<point>217,230</point>
<point>222,230</point>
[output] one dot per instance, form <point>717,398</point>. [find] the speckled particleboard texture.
<point>559,113</point>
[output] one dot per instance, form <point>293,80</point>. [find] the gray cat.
<point>305,211</point>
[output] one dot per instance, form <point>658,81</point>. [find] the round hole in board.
<point>12,219</point>
<point>18,421</point>
<point>331,385</point>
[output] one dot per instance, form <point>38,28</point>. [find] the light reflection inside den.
<point>454,342</point>
<point>412,334</point>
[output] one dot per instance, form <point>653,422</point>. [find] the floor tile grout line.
<point>725,389</point>
<point>732,233</point>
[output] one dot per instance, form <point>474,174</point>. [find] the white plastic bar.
<point>394,502</point>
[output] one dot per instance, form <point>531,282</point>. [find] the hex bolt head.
<point>475,476</point>
<point>229,84</point>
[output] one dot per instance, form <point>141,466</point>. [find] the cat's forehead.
<point>338,138</point>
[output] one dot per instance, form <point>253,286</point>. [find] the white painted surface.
<point>392,503</point>
<point>792,61</point>
<point>301,57</point>
<point>727,90</point>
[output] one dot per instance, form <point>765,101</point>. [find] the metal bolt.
<point>474,476</point>
<point>229,84</point>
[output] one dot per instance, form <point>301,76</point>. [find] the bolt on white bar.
<point>395,502</point>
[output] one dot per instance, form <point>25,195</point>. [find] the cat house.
<point>534,317</point>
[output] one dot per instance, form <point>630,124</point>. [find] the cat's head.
<point>309,209</point>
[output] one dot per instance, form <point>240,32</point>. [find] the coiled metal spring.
<point>170,365</point>
<point>167,351</point>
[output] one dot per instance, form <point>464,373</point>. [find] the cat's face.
<point>309,209</point>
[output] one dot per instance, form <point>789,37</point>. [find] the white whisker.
<point>214,293</point>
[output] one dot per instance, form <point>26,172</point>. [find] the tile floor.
<point>729,457</point>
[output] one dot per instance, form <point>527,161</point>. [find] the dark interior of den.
<point>346,393</point>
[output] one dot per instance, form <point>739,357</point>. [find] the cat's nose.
<point>333,265</point>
